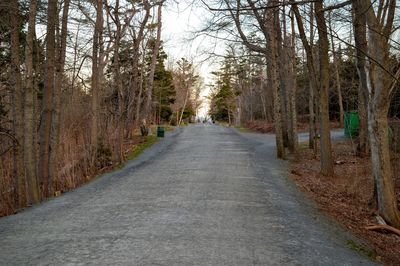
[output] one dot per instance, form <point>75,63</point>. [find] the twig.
<point>384,227</point>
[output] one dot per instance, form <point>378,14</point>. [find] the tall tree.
<point>360,38</point>
<point>157,42</point>
<point>47,104</point>
<point>326,146</point>
<point>33,195</point>
<point>138,38</point>
<point>308,47</point>
<point>336,65</point>
<point>61,48</point>
<point>381,84</point>
<point>96,77</point>
<point>17,111</point>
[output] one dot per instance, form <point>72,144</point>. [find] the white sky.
<point>179,23</point>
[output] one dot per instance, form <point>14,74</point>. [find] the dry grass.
<point>74,166</point>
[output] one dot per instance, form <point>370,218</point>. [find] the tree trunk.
<point>184,107</point>
<point>17,108</point>
<point>135,69</point>
<point>308,47</point>
<point>326,149</point>
<point>33,195</point>
<point>336,65</point>
<point>56,127</point>
<point>119,86</point>
<point>96,80</point>
<point>292,81</point>
<point>360,32</point>
<point>150,87</point>
<point>273,66</point>
<point>283,86</point>
<point>47,106</point>
<point>379,85</point>
<point>140,99</point>
<point>381,165</point>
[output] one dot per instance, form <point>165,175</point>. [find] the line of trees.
<point>299,53</point>
<point>77,79</point>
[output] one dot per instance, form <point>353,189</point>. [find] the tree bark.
<point>33,194</point>
<point>379,85</point>
<point>137,40</point>
<point>326,148</point>
<point>273,66</point>
<point>292,80</point>
<point>59,76</point>
<point>47,104</point>
<point>150,87</point>
<point>95,87</point>
<point>283,86</point>
<point>119,86</point>
<point>336,65</point>
<point>308,47</point>
<point>360,37</point>
<point>17,108</point>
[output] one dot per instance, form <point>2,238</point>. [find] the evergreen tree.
<point>164,93</point>
<point>223,99</point>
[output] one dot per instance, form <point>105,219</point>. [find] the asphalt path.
<point>205,195</point>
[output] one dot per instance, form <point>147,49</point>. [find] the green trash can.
<point>351,124</point>
<point>160,132</point>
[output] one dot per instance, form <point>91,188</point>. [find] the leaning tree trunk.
<point>47,109</point>
<point>33,195</point>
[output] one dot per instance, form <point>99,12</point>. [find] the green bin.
<point>160,132</point>
<point>351,124</point>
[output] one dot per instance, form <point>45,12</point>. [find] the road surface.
<point>206,195</point>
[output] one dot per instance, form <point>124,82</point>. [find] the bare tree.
<point>326,146</point>
<point>380,84</point>
<point>59,77</point>
<point>47,103</point>
<point>336,64</point>
<point>310,67</point>
<point>150,87</point>
<point>33,195</point>
<point>360,38</point>
<point>17,108</point>
<point>96,76</point>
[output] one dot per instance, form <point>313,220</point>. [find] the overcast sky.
<point>180,21</point>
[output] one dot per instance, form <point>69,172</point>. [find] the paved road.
<point>207,195</point>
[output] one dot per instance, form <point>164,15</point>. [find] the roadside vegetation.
<point>314,67</point>
<point>78,79</point>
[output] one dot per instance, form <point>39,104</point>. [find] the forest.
<point>78,79</point>
<point>292,63</point>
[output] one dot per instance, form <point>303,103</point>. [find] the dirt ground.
<point>348,195</point>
